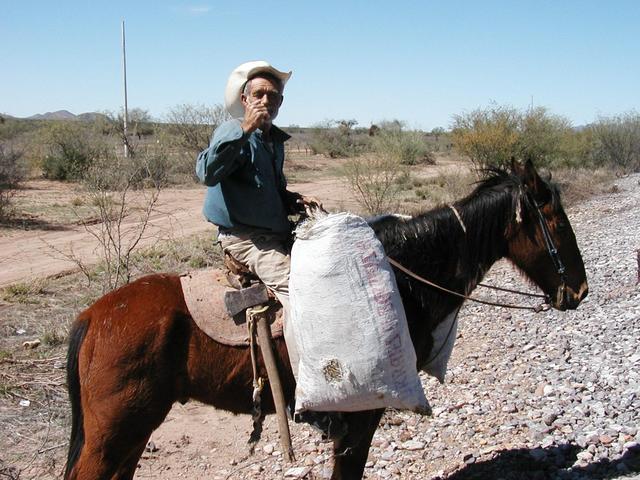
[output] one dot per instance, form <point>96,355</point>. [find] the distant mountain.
<point>58,115</point>
<point>90,116</point>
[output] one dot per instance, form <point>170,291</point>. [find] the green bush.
<point>335,139</point>
<point>72,150</point>
<point>11,174</point>
<point>409,148</point>
<point>493,135</point>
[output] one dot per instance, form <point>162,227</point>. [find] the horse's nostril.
<point>584,294</point>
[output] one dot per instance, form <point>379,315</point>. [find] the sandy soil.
<point>30,254</point>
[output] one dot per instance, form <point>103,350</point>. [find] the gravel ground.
<point>554,395</point>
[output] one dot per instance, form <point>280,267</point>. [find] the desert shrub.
<point>616,141</point>
<point>335,138</point>
<point>191,126</point>
<point>376,182</point>
<point>493,135</point>
<point>578,183</point>
<point>13,128</point>
<point>72,150</point>
<point>123,217</point>
<point>11,174</point>
<point>408,147</point>
<point>444,188</point>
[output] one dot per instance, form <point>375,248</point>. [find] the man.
<point>243,167</point>
<point>247,196</point>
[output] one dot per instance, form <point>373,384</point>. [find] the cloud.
<point>198,9</point>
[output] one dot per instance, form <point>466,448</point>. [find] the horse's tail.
<point>76,442</point>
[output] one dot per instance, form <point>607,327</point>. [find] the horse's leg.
<point>128,468</point>
<point>351,451</point>
<point>116,432</point>
<point>131,375</point>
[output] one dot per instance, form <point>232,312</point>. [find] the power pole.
<point>124,79</point>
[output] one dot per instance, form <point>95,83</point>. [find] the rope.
<point>539,308</point>
<point>517,292</point>
<point>258,382</point>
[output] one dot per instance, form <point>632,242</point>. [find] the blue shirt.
<point>245,180</point>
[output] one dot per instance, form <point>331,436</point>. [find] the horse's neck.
<point>484,242</point>
<point>456,247</point>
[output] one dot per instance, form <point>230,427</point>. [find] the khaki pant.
<point>267,256</point>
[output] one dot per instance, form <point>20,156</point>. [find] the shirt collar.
<point>277,134</point>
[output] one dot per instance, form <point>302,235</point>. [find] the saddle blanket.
<point>203,292</point>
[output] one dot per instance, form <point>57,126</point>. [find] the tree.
<point>192,125</point>
<point>437,132</point>
<point>493,135</point>
<point>334,138</point>
<point>139,124</point>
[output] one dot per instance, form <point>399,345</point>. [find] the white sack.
<point>349,322</point>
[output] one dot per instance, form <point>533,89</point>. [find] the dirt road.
<point>38,253</point>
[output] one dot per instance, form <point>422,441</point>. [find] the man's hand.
<point>255,116</point>
<point>309,204</point>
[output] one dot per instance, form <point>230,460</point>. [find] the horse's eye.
<point>561,226</point>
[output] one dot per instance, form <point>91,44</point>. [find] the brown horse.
<point>136,351</point>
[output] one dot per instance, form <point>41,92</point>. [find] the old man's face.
<point>265,93</point>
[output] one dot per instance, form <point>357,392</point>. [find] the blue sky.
<point>418,61</point>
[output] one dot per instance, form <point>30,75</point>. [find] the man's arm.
<point>223,155</point>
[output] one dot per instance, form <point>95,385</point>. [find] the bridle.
<point>549,245</point>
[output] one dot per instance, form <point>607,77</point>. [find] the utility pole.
<point>124,79</point>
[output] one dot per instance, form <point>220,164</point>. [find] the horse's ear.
<point>530,176</point>
<point>516,167</point>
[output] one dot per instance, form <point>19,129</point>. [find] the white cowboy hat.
<point>239,77</point>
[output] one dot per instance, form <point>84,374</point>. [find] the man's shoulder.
<point>279,134</point>
<point>233,124</point>
<point>228,131</point>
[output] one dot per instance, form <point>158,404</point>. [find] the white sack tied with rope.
<point>349,322</point>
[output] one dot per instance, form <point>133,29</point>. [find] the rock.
<point>151,447</point>
<point>584,456</point>
<point>297,472</point>
<point>31,344</point>
<point>413,445</point>
<point>268,448</point>
<point>605,439</point>
<point>549,418</point>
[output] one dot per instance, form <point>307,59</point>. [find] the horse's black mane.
<point>434,244</point>
<point>499,193</point>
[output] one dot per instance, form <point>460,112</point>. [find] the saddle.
<point>217,300</point>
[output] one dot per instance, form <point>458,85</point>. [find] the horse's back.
<point>151,293</point>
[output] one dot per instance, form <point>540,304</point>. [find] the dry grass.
<point>579,184</point>
<point>24,292</point>
<point>425,193</point>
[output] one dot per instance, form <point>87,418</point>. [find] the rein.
<point>540,308</point>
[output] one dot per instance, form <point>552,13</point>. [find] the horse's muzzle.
<point>568,299</point>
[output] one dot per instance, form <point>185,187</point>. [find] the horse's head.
<point>541,241</point>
